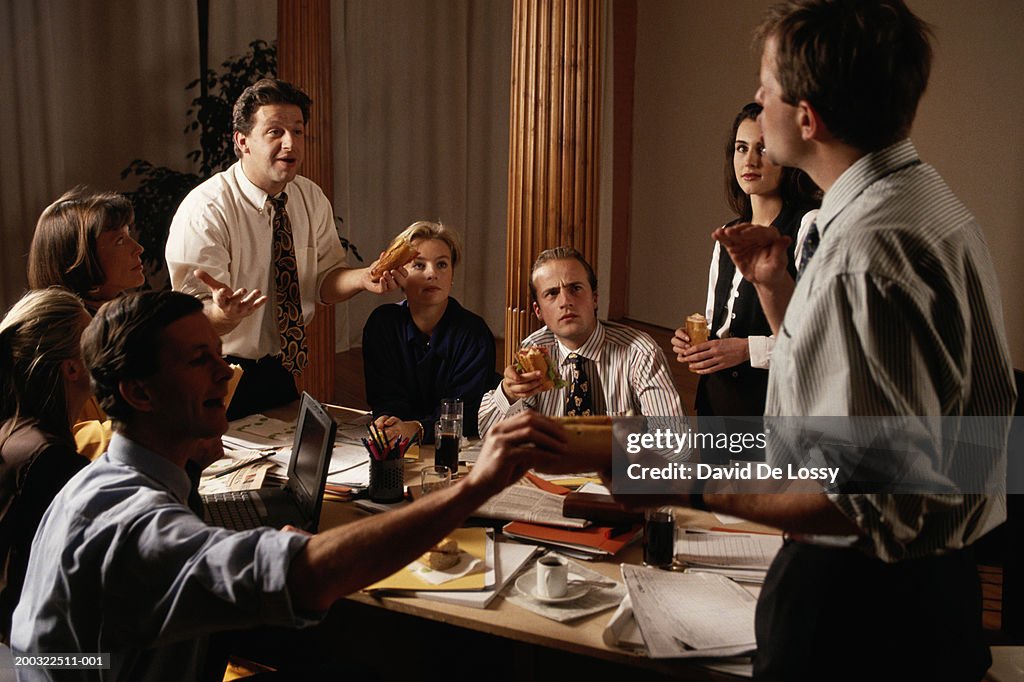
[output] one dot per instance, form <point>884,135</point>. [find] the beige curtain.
<point>421,93</point>
<point>88,85</point>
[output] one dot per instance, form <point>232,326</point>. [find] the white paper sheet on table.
<point>350,465</point>
<point>623,632</point>
<point>698,547</point>
<point>259,432</point>
<point>688,615</point>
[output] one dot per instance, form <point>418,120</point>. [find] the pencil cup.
<point>387,480</point>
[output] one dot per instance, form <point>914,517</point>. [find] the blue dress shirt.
<point>121,565</point>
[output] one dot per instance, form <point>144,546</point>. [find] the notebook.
<point>298,502</point>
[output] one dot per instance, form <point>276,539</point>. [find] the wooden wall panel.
<point>554,143</point>
<point>304,58</point>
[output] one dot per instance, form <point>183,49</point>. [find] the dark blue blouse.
<point>408,373</point>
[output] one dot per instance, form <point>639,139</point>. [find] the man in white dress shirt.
<point>223,248</point>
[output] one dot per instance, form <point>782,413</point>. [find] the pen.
<point>243,464</point>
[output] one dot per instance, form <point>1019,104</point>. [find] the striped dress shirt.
<point>628,373</point>
<point>898,313</point>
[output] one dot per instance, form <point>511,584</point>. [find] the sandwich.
<point>536,358</point>
<point>398,254</point>
<point>591,436</point>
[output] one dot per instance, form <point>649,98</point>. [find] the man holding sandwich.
<point>260,232</point>
<point>577,365</point>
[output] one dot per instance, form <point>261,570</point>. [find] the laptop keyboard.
<point>234,510</point>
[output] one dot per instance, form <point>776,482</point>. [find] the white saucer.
<point>527,584</point>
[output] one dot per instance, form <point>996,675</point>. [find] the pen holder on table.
<point>387,480</point>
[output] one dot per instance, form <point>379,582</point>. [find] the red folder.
<point>602,540</point>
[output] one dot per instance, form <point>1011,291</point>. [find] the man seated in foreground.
<point>608,368</point>
<point>122,565</point>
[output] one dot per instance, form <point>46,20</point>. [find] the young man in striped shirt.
<point>618,370</point>
<point>896,314</point>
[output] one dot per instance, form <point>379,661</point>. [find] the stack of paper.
<point>741,556</point>
<point>528,503</point>
<point>690,615</point>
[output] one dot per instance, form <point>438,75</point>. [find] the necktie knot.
<point>279,201</point>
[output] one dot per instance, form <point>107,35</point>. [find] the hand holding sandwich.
<point>532,372</point>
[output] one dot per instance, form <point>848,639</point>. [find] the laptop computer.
<point>298,502</point>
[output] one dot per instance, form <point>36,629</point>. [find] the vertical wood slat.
<point>553,143</point>
<point>304,59</point>
<point>624,21</point>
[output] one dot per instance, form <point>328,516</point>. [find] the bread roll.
<point>590,436</point>
<point>697,328</point>
<point>398,254</point>
<point>443,555</point>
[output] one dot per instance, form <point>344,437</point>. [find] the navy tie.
<point>578,402</point>
<point>811,242</point>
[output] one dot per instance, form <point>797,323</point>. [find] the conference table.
<point>427,639</point>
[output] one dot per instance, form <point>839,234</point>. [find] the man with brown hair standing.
<point>261,228</point>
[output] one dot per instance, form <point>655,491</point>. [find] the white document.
<point>727,550</point>
<point>259,432</point>
<point>686,615</point>
<point>529,503</point>
<point>350,465</point>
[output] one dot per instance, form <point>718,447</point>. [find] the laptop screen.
<point>311,453</point>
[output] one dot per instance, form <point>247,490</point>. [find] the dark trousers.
<point>837,614</point>
<point>265,384</point>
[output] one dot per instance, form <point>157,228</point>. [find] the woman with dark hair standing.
<point>43,385</point>
<point>733,363</point>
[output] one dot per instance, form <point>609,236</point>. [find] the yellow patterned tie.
<point>295,352</point>
<point>578,402</point>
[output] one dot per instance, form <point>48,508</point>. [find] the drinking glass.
<point>434,478</point>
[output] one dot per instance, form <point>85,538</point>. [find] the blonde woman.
<point>43,386</point>
<point>428,347</point>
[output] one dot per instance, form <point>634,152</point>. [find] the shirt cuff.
<point>504,406</point>
<point>761,351</point>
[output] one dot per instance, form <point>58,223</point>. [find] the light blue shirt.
<point>121,565</point>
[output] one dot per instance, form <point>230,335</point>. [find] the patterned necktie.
<point>578,402</point>
<point>295,352</point>
<point>811,242</point>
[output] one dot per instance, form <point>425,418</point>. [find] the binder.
<point>597,540</point>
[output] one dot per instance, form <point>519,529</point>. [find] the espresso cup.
<point>552,576</point>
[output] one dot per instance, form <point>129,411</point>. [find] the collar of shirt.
<point>125,452</point>
<point>591,349</point>
<point>858,177</point>
<point>253,194</point>
<point>413,333</point>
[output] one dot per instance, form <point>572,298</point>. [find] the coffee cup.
<point>552,576</point>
